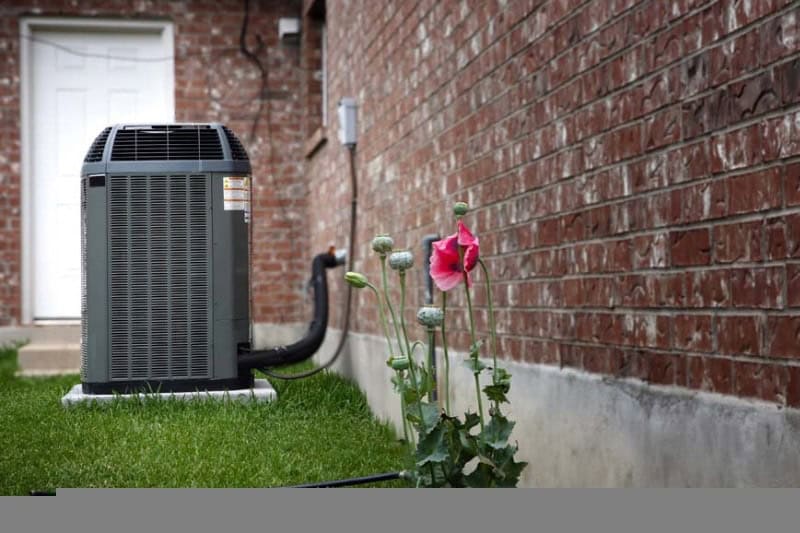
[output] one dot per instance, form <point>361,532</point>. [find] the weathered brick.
<point>708,288</point>
<point>783,236</point>
<point>692,247</point>
<point>693,333</point>
<point>763,381</point>
<point>783,336</point>
<point>738,242</point>
<point>710,374</point>
<point>739,335</point>
<point>757,191</point>
<point>757,287</point>
<point>753,97</point>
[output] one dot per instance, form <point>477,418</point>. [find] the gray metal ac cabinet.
<point>164,252</point>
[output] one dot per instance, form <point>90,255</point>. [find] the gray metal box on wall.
<point>164,252</point>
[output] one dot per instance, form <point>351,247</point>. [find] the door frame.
<point>27,27</point>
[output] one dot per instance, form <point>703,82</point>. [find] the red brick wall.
<point>634,168</point>
<point>213,82</point>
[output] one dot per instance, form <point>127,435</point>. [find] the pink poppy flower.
<point>447,269</point>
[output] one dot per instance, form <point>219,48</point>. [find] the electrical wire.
<point>348,299</point>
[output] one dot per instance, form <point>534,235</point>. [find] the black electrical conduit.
<point>291,349</point>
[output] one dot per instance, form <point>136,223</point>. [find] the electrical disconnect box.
<point>348,134</point>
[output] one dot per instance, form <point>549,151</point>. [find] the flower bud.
<point>399,363</point>
<point>430,317</point>
<point>460,209</point>
<point>402,260</point>
<point>356,279</point>
<point>382,244</point>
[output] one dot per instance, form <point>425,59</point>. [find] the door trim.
<point>27,27</point>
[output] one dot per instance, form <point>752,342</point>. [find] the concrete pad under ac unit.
<point>261,391</point>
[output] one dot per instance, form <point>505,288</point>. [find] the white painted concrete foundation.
<point>582,430</point>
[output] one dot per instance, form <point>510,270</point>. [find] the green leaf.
<point>480,477</point>
<point>432,447</point>
<point>502,375</point>
<point>475,365</point>
<point>496,393</point>
<point>430,416</point>
<point>497,431</point>
<point>475,348</point>
<point>471,420</point>
<point>508,471</point>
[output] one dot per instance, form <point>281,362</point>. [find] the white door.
<point>82,80</point>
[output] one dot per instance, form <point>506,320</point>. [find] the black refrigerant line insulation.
<point>282,355</point>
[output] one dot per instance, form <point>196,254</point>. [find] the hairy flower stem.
<point>492,328</point>
<point>402,379</point>
<point>474,350</point>
<point>382,317</point>
<point>431,365</point>
<point>385,285</point>
<point>399,373</point>
<point>402,309</point>
<point>446,358</point>
<point>402,274</point>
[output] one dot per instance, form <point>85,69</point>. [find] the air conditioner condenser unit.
<point>165,215</point>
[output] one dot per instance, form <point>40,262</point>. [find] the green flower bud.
<point>460,209</point>
<point>382,244</point>
<point>399,363</point>
<point>430,317</point>
<point>356,279</point>
<point>402,260</point>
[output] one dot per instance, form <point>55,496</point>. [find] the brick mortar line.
<point>745,358</point>
<point>660,311</point>
<point>663,312</point>
<point>656,271</point>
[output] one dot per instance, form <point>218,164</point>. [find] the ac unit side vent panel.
<point>167,143</point>
<point>84,325</point>
<point>95,152</point>
<point>159,277</point>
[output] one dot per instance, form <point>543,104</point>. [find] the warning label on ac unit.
<point>236,194</point>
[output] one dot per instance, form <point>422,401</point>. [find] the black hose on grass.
<point>354,481</point>
<point>388,476</point>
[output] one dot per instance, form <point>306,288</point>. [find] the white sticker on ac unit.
<point>236,194</point>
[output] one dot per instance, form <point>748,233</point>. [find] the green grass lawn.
<point>320,428</point>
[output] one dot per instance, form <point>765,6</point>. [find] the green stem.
<point>473,350</point>
<point>382,317</point>
<point>411,363</point>
<point>431,365</point>
<point>446,358</point>
<point>402,310</point>
<point>385,285</point>
<point>399,374</point>
<point>401,378</point>
<point>492,329</point>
